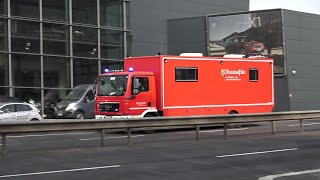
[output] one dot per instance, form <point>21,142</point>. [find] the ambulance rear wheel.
<point>234,125</point>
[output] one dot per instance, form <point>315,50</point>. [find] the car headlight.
<point>71,106</point>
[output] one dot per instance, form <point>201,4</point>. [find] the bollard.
<point>4,144</point>
<point>197,132</point>
<point>102,137</point>
<point>129,136</point>
<point>273,126</point>
<point>301,126</point>
<point>225,131</point>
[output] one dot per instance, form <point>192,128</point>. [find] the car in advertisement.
<point>241,45</point>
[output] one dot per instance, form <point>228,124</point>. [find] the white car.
<point>14,111</point>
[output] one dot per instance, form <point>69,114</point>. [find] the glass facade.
<point>47,47</point>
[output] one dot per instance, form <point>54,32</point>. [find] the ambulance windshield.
<point>112,85</point>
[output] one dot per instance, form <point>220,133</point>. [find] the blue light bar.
<point>131,69</point>
<point>106,70</point>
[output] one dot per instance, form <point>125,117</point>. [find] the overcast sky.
<point>309,6</point>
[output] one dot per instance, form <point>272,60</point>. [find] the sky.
<point>308,6</point>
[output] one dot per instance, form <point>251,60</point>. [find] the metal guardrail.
<point>129,124</point>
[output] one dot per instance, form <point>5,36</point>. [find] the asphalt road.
<point>250,152</point>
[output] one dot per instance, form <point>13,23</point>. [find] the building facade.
<point>289,37</point>
<point>47,47</point>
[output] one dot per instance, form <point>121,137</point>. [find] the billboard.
<point>250,33</point>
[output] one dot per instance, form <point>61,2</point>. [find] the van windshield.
<point>75,94</point>
<point>112,85</point>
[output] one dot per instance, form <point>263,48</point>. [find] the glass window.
<point>3,7</point>
<point>55,39</point>
<point>253,75</point>
<point>84,71</point>
<point>22,107</point>
<point>25,36</point>
<point>55,10</point>
<point>111,66</point>
<point>111,13</point>
<point>51,98</point>
<point>85,42</point>
<point>4,91</point>
<point>4,70</point>
<point>186,74</point>
<point>8,108</point>
<point>26,70</point>
<point>89,96</point>
<point>55,95</point>
<point>28,95</point>
<point>25,8</point>
<point>84,12</point>
<point>3,34</point>
<point>111,44</point>
<point>56,72</point>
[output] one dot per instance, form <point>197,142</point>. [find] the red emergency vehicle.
<point>186,85</point>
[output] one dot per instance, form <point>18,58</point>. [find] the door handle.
<point>149,104</point>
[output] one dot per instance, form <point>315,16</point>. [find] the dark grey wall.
<point>281,95</point>
<point>302,48</point>
<point>148,19</point>
<point>187,35</point>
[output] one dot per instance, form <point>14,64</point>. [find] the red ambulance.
<point>186,85</point>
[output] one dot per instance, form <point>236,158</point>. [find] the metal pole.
<point>225,129</point>
<point>4,144</point>
<point>197,132</point>
<point>273,126</point>
<point>301,126</point>
<point>102,137</point>
<point>129,136</point>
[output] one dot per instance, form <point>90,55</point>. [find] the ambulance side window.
<point>253,75</point>
<point>143,84</point>
<point>186,74</point>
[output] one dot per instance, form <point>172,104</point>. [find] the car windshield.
<point>75,94</point>
<point>112,85</point>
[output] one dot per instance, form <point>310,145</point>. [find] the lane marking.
<point>220,130</point>
<point>253,153</point>
<point>310,124</point>
<point>271,177</point>
<point>40,135</point>
<point>59,171</point>
<point>115,137</point>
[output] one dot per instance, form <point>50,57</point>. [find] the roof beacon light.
<point>130,69</point>
<point>106,70</point>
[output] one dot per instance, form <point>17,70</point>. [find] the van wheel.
<point>79,115</point>
<point>34,119</point>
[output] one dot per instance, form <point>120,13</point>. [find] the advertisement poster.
<point>256,33</point>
